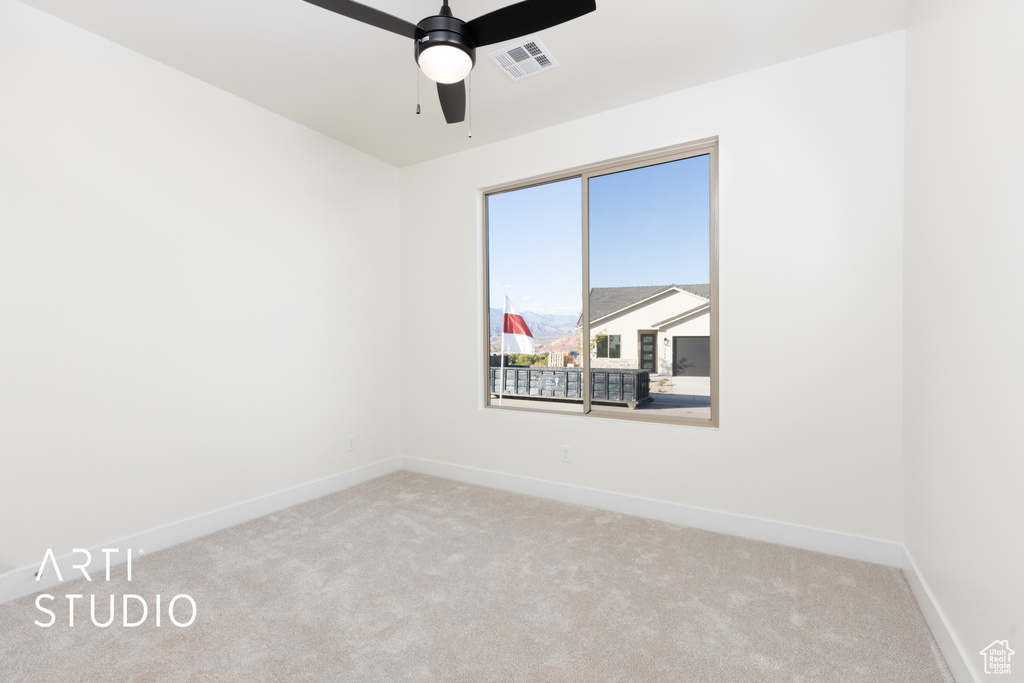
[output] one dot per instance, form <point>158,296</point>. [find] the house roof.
<point>607,300</point>
<point>696,310</point>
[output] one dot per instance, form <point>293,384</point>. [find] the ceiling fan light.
<point>445,63</point>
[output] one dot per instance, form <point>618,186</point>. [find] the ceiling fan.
<point>445,46</point>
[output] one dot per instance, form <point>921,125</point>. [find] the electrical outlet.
<point>352,442</point>
<point>566,451</point>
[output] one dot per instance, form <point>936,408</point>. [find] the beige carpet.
<point>414,578</point>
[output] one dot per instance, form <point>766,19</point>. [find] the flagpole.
<point>501,389</point>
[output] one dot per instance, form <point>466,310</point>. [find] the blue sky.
<point>648,226</point>
<point>535,248</point>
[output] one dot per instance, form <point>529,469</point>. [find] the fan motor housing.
<point>442,30</point>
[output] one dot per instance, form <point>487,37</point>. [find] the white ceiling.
<point>357,83</point>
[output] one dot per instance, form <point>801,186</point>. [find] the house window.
<point>608,345</point>
<point>601,289</point>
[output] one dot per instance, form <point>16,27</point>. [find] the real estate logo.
<point>134,608</point>
<point>997,657</point>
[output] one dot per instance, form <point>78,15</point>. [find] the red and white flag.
<point>515,334</point>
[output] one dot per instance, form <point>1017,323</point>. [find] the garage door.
<point>691,356</point>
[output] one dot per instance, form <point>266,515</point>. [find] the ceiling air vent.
<point>524,59</point>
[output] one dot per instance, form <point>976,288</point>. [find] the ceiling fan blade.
<point>368,15</point>
<point>453,101</point>
<point>524,17</point>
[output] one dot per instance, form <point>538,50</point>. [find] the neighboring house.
<point>662,328</point>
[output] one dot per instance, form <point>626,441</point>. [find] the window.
<point>608,345</point>
<point>601,289</point>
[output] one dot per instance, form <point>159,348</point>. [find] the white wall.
<point>197,298</point>
<point>963,384</point>
<point>811,211</point>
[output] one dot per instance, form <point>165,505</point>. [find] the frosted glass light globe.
<point>445,64</point>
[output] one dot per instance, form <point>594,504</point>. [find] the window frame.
<point>613,341</point>
<point>706,146</point>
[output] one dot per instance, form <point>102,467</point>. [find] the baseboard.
<point>949,645</point>
<point>20,582</point>
<point>793,535</point>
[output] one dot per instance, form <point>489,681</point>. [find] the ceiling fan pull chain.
<point>417,92</point>
<point>469,107</point>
